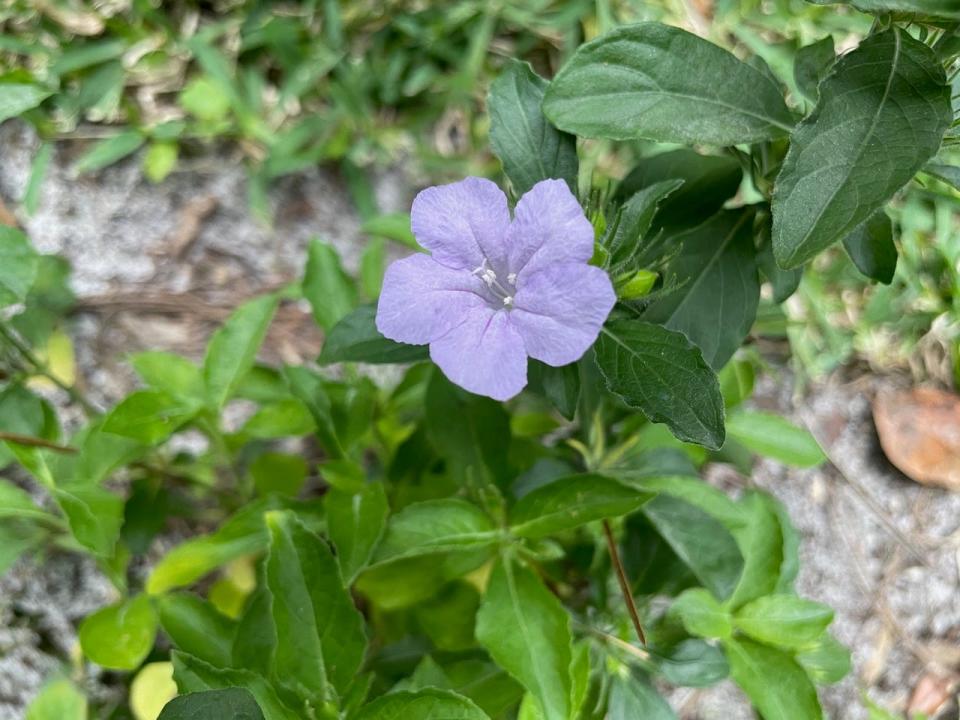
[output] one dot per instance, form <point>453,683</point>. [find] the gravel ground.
<point>879,549</point>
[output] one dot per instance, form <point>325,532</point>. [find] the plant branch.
<point>624,584</point>
<point>31,441</point>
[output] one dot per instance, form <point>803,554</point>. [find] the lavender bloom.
<point>494,291</point>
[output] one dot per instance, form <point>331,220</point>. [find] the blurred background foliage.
<point>361,85</point>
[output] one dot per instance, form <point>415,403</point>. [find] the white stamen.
<point>508,301</point>
<point>512,278</point>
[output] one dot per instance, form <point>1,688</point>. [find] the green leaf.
<point>401,583</point>
<point>702,615</point>
<point>193,675</point>
<point>58,700</point>
<point>693,663</point>
<point>811,65</point>
<point>527,632</point>
<point>876,712</point>
<point>761,540</point>
<point>355,523</point>
<point>702,542</point>
<point>100,91</point>
<point>449,617</point>
<point>372,267</point>
<point>790,566</point>
<point>708,181</point>
<point>872,249</point>
<point>16,539</point>
<point>320,634</point>
<point>95,516</point>
<point>924,8</point>
<point>775,437</point>
<point>278,473</point>
<point>169,373</point>
<point>881,115</point>
<point>160,160</point>
<point>635,220</point>
<point>633,697</point>
<point>736,382</point>
<point>827,661</point>
<point>149,416</point>
<point>427,704</point>
<point>654,81</point>
<point>580,675</point>
<point>435,526</point>
<point>282,418</point>
<point>308,388</point>
<point>945,173</point>
<point>329,289</point>
<point>243,534</point>
<point>493,690</point>
<point>106,152</point>
<point>15,503</point>
<point>356,339</point>
<point>476,444</point>
<point>205,99</point>
<point>571,502</point>
<point>232,703</point>
<point>233,348</point>
<point>529,147</point>
<point>784,283</point>
<point>718,290</point>
<point>255,642</point>
<point>774,682</point>
<point>663,374</point>
<point>18,98</point>
<point>38,171</point>
<point>120,636</point>
<point>393,226</point>
<point>83,55</point>
<point>18,265</point>
<point>196,627</point>
<point>783,620</point>
<point>560,385</point>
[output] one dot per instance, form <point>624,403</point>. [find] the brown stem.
<point>624,584</point>
<point>31,441</point>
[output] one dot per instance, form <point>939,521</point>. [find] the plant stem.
<point>211,427</point>
<point>31,441</point>
<point>40,368</point>
<point>624,584</point>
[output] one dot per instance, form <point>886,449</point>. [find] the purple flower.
<point>494,291</point>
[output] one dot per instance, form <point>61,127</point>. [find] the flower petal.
<point>483,355</point>
<point>560,309</point>
<point>422,300</point>
<point>548,227</point>
<point>462,223</point>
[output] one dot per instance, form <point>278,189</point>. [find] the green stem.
<point>40,368</point>
<point>211,428</point>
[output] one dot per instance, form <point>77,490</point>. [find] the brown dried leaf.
<point>931,693</point>
<point>919,431</point>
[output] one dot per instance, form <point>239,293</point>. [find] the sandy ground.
<point>879,549</point>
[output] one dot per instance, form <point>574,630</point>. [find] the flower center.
<point>504,295</point>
